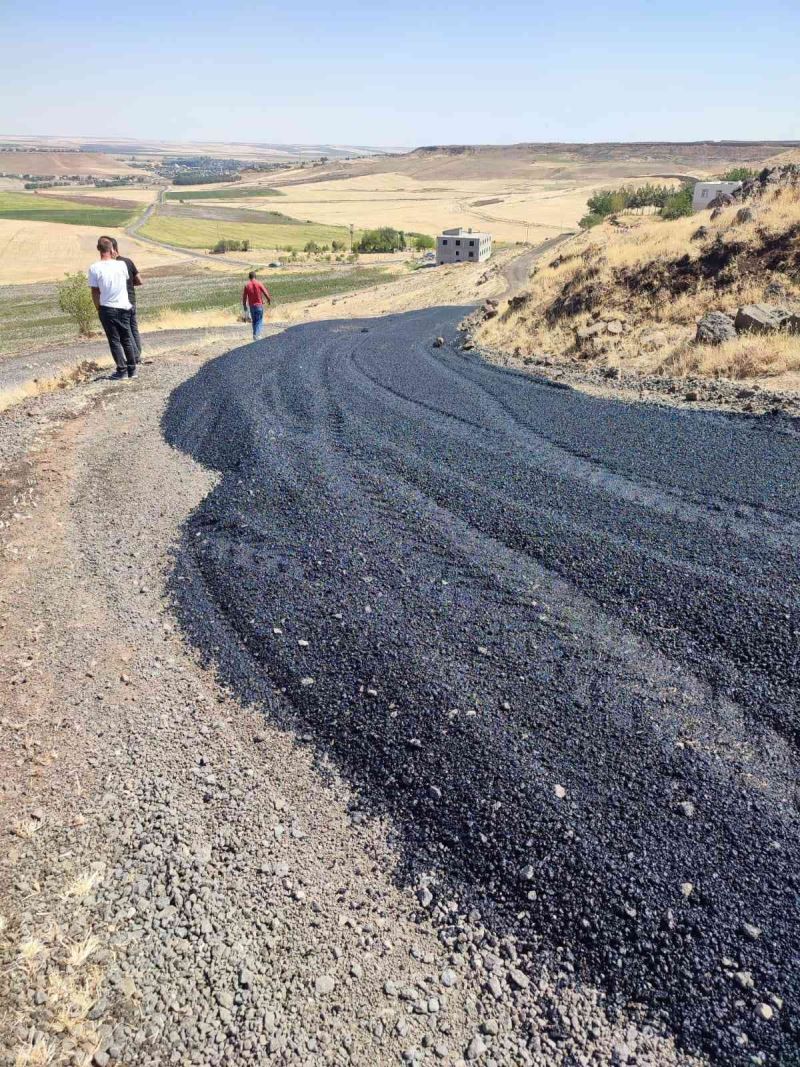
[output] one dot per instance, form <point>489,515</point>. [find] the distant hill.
<point>590,162</point>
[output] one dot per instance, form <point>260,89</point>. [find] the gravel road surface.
<point>184,880</point>
<point>551,639</point>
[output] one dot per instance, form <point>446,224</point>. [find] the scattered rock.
<point>687,808</point>
<point>759,318</point>
<point>586,333</point>
<point>475,1049</point>
<point>559,791</point>
<point>715,328</point>
<point>438,342</point>
<point>764,1011</point>
<point>751,931</point>
<point>324,984</point>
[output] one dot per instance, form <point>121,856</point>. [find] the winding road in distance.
<point>552,638</point>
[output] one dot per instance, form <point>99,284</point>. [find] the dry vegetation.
<point>652,280</point>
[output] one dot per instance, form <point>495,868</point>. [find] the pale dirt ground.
<point>45,251</point>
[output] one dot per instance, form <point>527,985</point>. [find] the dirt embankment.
<point>625,298</point>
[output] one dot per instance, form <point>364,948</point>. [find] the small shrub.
<point>312,248</point>
<point>423,242</point>
<point>679,204</point>
<point>590,220</point>
<point>75,300</point>
<point>739,174</point>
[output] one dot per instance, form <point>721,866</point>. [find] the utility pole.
<point>351,237</point>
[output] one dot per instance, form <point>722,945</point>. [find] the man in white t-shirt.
<point>108,278</point>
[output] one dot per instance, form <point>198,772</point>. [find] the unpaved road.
<point>552,646</point>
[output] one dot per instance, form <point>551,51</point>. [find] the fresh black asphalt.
<point>507,587</point>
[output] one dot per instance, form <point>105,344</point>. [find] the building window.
<point>472,244</point>
<point>444,240</point>
<point>472,255</point>
<point>458,242</point>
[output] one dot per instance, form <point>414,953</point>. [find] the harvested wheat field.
<point>45,251</point>
<point>513,209</point>
<point>59,163</point>
<point>627,295</point>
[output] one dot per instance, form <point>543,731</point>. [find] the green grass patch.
<point>205,233</point>
<point>30,318</point>
<point>28,206</point>
<point>239,193</point>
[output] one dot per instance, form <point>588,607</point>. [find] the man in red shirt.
<point>253,299</point>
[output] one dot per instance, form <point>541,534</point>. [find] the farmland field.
<point>34,208</point>
<point>189,232</point>
<point>232,193</point>
<point>30,318</point>
<point>45,251</point>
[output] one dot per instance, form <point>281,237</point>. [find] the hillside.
<point>566,161</point>
<point>627,296</point>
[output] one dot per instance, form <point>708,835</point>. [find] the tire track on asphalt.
<point>482,626</point>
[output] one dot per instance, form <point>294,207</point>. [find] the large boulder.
<point>760,318</point>
<point>714,329</point>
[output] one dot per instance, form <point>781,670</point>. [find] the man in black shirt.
<point>134,279</point>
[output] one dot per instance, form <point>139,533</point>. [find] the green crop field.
<point>34,208</point>
<point>204,233</point>
<point>30,318</point>
<point>237,193</point>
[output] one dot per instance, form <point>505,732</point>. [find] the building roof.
<point>464,233</point>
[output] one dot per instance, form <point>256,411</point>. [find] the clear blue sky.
<point>402,73</point>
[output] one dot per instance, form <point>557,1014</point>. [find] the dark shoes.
<point>118,375</point>
<point>133,372</point>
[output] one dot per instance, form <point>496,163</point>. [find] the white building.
<point>462,246</point>
<point>704,192</point>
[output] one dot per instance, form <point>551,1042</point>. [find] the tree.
<point>422,242</point>
<point>385,239</point>
<point>311,247</point>
<point>75,300</point>
<point>338,246</point>
<point>739,174</point>
<point>679,204</point>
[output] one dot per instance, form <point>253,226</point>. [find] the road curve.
<point>553,638</point>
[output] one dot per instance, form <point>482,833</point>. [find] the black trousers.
<point>135,332</point>
<point>117,324</point>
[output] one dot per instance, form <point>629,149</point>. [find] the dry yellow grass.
<point>46,251</point>
<point>631,270</point>
<point>65,971</point>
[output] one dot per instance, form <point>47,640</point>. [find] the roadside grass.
<point>30,318</point>
<point>630,270</point>
<point>34,208</point>
<point>240,193</point>
<point>205,233</point>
